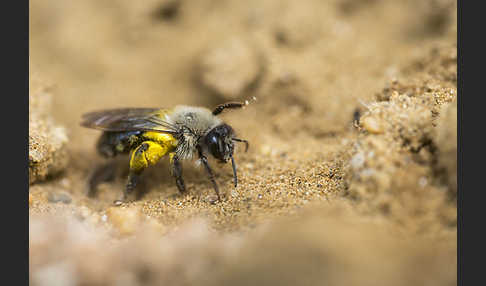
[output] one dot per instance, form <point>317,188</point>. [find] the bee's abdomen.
<point>112,143</point>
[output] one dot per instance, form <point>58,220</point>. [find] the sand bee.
<point>148,134</point>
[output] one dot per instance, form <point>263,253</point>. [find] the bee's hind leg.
<point>147,153</point>
<point>177,172</point>
<point>132,182</point>
<point>103,173</point>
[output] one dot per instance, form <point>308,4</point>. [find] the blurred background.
<point>351,173</point>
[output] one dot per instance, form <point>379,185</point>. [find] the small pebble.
<point>213,199</point>
<point>118,203</point>
<point>372,125</point>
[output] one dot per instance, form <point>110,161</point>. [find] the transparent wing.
<point>129,119</point>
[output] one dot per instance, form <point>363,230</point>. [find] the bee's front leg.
<point>177,172</point>
<point>204,161</point>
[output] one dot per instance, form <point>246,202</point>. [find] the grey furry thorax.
<point>195,122</point>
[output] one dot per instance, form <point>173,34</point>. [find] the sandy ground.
<point>350,178</point>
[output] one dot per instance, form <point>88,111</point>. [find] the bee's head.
<point>219,142</point>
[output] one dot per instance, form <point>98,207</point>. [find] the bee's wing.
<point>129,119</point>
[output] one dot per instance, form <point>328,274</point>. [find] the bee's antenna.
<point>233,164</point>
<point>223,106</point>
<point>243,141</point>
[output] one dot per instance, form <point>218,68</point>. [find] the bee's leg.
<point>132,182</point>
<point>105,145</point>
<point>103,173</point>
<point>146,154</point>
<point>242,141</point>
<point>177,172</point>
<point>204,161</point>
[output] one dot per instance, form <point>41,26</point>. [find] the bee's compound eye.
<point>213,143</point>
<point>216,141</point>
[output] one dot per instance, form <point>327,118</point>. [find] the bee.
<point>148,134</point>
